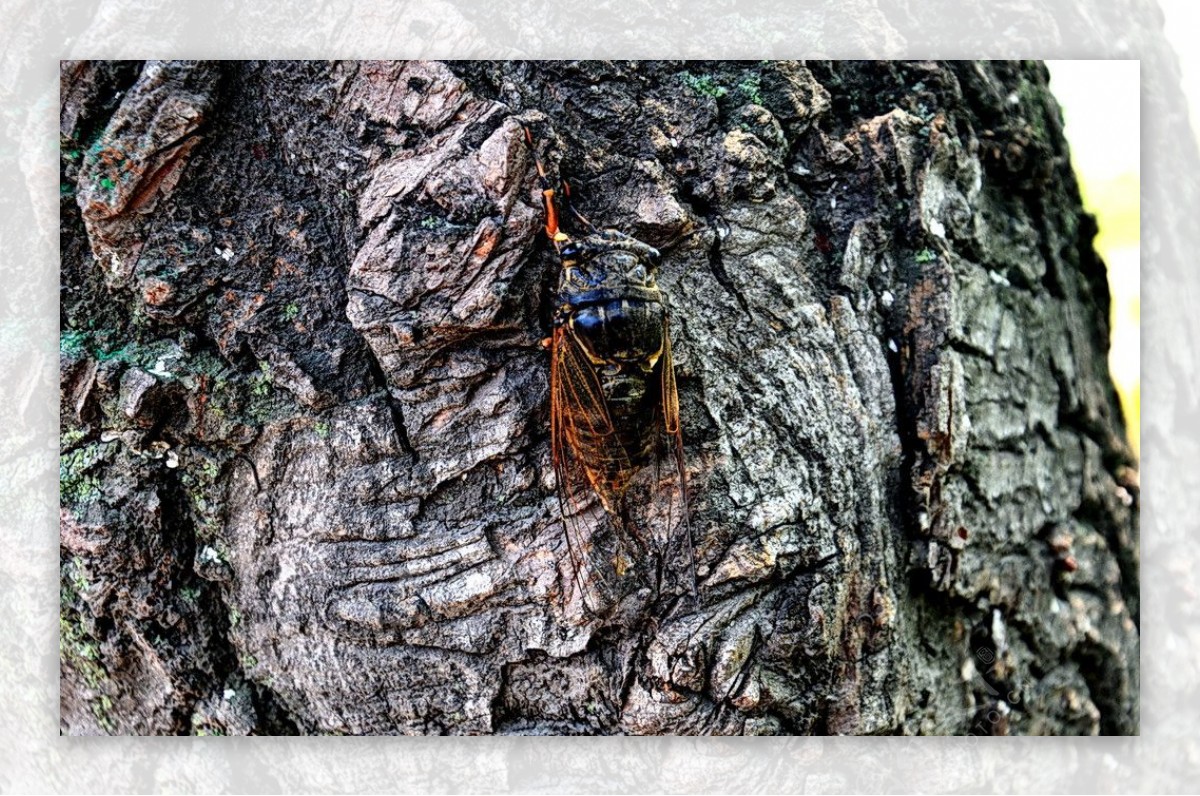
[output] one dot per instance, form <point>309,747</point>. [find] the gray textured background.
<point>35,758</point>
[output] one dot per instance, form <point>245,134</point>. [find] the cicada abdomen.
<point>614,410</point>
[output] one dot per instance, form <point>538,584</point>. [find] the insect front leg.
<point>548,191</point>
<point>555,195</point>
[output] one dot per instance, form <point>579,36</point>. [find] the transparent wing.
<point>681,529</point>
<point>585,450</point>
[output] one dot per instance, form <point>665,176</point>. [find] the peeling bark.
<point>305,456</point>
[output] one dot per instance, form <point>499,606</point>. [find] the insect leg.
<point>571,207</point>
<point>551,198</point>
<point>548,190</point>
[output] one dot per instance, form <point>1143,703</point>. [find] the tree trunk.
<point>306,473</point>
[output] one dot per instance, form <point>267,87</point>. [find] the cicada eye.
<point>578,274</point>
<point>570,251</point>
<point>655,258</point>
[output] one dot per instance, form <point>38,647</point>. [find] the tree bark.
<point>306,475</point>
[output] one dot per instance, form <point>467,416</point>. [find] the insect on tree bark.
<point>310,438</point>
<point>612,400</point>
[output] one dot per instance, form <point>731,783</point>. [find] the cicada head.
<point>606,266</point>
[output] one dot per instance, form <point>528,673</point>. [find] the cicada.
<point>614,407</point>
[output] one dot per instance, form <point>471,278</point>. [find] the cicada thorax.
<point>610,306</point>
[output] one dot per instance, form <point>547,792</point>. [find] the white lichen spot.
<point>477,582</point>
<point>209,555</point>
<point>886,298</point>
<point>229,694</point>
<point>999,631</point>
<point>833,203</point>
<point>1014,98</point>
<point>892,346</point>
<point>937,228</point>
<point>160,369</point>
<point>999,278</point>
<point>225,254</point>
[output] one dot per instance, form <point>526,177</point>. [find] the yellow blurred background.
<point>1100,102</point>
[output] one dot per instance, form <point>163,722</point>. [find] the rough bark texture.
<point>306,483</point>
